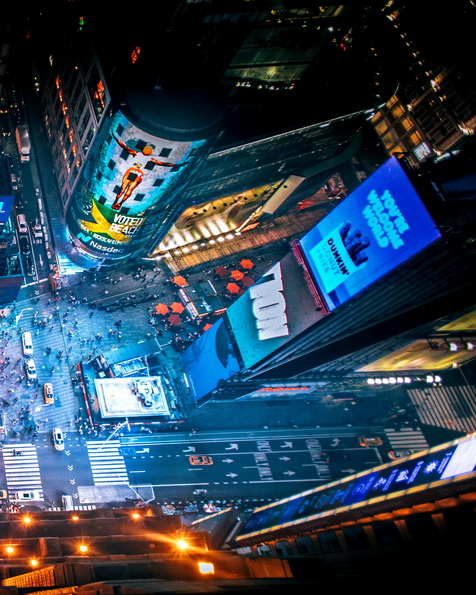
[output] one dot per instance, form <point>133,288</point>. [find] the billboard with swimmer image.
<point>376,228</point>
<point>129,176</point>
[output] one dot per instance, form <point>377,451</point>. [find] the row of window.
<point>418,529</point>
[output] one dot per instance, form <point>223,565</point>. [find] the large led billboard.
<point>275,309</point>
<point>375,229</point>
<point>142,157</point>
<point>209,359</point>
<point>429,469</point>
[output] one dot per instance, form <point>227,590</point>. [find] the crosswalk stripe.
<point>406,438</point>
<point>451,407</point>
<point>107,462</point>
<point>22,473</point>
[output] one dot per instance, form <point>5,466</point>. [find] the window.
<point>356,538</point>
<point>387,533</point>
<point>329,542</point>
<point>304,545</point>
<point>165,152</point>
<point>283,548</point>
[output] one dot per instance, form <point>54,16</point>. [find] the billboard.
<point>432,353</point>
<point>130,174</point>
<point>375,229</point>
<point>274,310</point>
<point>219,216</point>
<point>209,359</point>
<point>432,468</point>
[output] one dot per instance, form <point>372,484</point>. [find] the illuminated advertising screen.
<point>209,359</point>
<point>376,228</point>
<point>126,178</point>
<point>275,309</point>
<point>430,468</point>
<point>212,218</point>
<point>6,203</point>
<point>425,354</point>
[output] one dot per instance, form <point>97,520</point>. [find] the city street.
<point>262,449</point>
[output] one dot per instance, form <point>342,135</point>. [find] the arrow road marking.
<point>190,449</point>
<point>335,442</point>
<point>75,495</point>
<point>227,461</point>
<point>144,450</point>
<point>72,481</point>
<point>232,447</point>
<point>232,475</point>
<point>284,458</point>
<point>289,473</point>
<point>70,467</point>
<point>348,470</point>
<point>287,445</point>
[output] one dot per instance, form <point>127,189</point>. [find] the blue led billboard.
<point>209,359</point>
<point>375,229</point>
<point>434,467</point>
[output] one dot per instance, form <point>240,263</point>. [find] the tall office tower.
<point>277,68</point>
<point>434,108</point>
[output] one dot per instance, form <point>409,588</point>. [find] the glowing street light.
<point>206,568</point>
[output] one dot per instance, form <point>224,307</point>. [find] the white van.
<point>27,343</point>
<point>67,502</point>
<point>21,222</point>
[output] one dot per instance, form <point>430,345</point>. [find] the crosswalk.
<point>22,472</point>
<point>107,463</point>
<point>412,438</point>
<point>450,407</point>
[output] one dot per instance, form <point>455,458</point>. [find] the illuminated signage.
<point>129,174</point>
<point>210,359</point>
<point>435,467</point>
<point>371,232</point>
<point>277,308</point>
<point>269,306</point>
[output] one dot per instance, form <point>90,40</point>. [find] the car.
<point>48,393</point>
<point>22,496</point>
<point>401,453</point>
<point>30,368</point>
<point>3,495</point>
<point>336,456</point>
<point>24,245</point>
<point>21,222</point>
<point>37,230</point>
<point>27,343</point>
<point>58,439</point>
<point>370,441</point>
<point>200,460</point>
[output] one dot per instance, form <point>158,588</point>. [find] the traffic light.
<point>81,23</point>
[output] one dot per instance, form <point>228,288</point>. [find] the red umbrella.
<point>247,281</point>
<point>162,308</point>
<point>233,287</point>
<point>177,308</point>
<point>174,319</point>
<point>221,271</point>
<point>246,264</point>
<point>237,275</point>
<point>179,280</point>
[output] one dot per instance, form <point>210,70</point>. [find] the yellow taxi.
<point>48,393</point>
<point>200,460</point>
